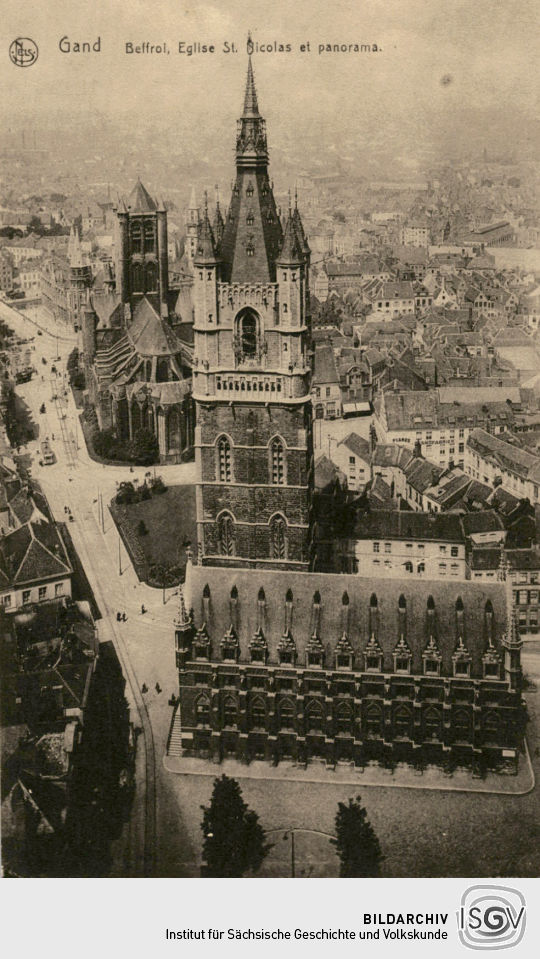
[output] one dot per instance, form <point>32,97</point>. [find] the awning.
<point>349,409</point>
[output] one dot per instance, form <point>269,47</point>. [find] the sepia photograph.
<point>270,444</point>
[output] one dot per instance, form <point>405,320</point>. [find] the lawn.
<point>170,520</point>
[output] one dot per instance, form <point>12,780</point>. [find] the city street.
<point>145,643</point>
<point>471,834</point>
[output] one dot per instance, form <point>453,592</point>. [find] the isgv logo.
<point>491,917</point>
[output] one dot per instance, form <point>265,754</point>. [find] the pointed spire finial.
<point>251,107</point>
<point>216,188</point>
<point>206,202</point>
<point>296,196</point>
<point>289,195</point>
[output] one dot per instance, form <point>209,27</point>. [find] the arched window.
<point>408,567</point>
<point>314,717</point>
<point>430,603</point>
<point>250,219</point>
<point>373,721</point>
<point>402,722</point>
<point>226,534</point>
<point>258,713</point>
<point>230,711</point>
<point>492,727</point>
<point>461,724</point>
<point>151,278</point>
<point>224,460</point>
<point>202,711</point>
<point>344,716</point>
<point>286,714</point>
<point>345,599</point>
<point>137,278</point>
<point>278,538</point>
<point>402,603</point>
<point>278,462</point>
<point>149,236</point>
<point>136,238</point>
<point>432,723</point>
<point>248,333</point>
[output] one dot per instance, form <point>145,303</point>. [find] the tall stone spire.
<point>251,107</point>
<point>252,234</point>
<point>251,145</point>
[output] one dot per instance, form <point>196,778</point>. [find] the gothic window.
<point>250,219</point>
<point>248,333</point>
<point>224,460</point>
<point>278,463</point>
<point>286,714</point>
<point>461,724</point>
<point>151,277</point>
<point>402,722</point>
<point>249,191</point>
<point>432,723</point>
<point>149,239</point>
<point>202,711</point>
<point>137,278</point>
<point>226,534</point>
<point>344,718</point>
<point>373,721</point>
<point>230,712</point>
<point>258,713</point>
<point>431,667</point>
<point>136,238</point>
<point>492,727</point>
<point>250,249</point>
<point>314,717</point>
<point>278,538</point>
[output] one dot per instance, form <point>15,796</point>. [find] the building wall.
<point>15,598</point>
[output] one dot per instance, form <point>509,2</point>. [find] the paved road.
<point>144,643</point>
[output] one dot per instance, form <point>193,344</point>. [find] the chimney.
<point>418,449</point>
<point>434,477</point>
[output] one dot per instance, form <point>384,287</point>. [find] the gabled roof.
<point>356,444</point>
<point>32,553</point>
<point>149,334</point>
<point>325,366</point>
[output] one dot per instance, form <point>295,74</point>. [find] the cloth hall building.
<point>275,661</point>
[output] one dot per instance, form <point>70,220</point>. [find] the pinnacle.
<point>251,108</point>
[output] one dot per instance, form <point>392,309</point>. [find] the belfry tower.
<point>252,370</point>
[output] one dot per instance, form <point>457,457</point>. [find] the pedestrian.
<point>143,609</point>
<point>144,688</point>
<point>124,618</point>
<point>158,688</point>
<point>118,617</point>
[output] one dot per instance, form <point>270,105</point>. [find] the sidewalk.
<point>403,777</point>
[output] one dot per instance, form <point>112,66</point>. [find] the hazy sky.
<point>441,60</point>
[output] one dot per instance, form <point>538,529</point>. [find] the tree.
<point>145,448</point>
<point>233,837</point>
<point>356,843</point>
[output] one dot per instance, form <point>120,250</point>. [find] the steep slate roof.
<point>408,525</point>
<point>392,454</point>
<point>359,589</point>
<point>33,552</point>
<point>356,444</point>
<point>325,366</point>
<point>140,201</point>
<point>149,334</point>
<point>505,455</point>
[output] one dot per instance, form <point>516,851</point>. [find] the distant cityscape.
<point>269,499</point>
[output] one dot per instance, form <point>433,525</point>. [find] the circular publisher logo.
<point>23,52</point>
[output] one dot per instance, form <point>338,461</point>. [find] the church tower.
<point>80,277</point>
<point>142,259</point>
<point>252,371</point>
